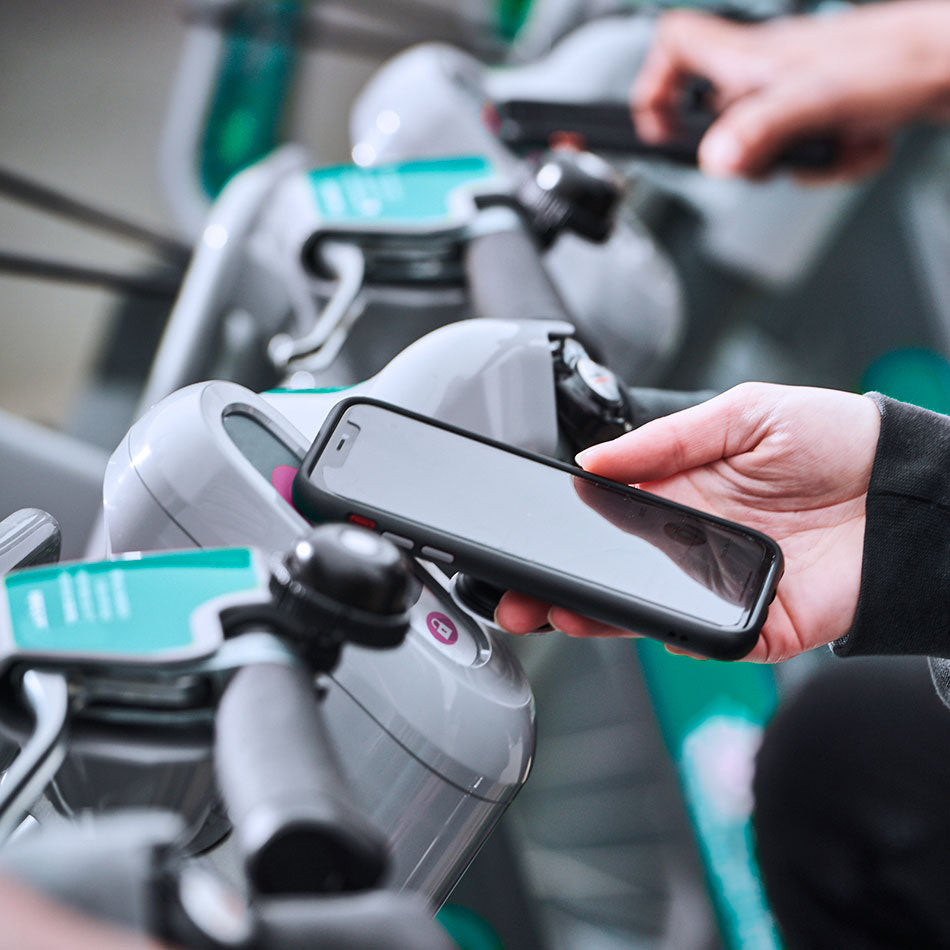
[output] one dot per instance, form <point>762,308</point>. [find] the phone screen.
<point>626,541</point>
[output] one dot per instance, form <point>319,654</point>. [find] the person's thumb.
<point>719,428</point>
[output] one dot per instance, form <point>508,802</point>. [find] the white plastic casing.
<point>436,736</point>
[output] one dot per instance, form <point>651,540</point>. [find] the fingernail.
<point>720,153</point>
<point>581,456</point>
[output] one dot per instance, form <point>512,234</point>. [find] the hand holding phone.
<point>854,80</point>
<point>792,461</point>
<point>525,522</point>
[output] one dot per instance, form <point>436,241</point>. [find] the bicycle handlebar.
<point>123,868</point>
<point>649,404</point>
<point>507,280</point>
<point>383,920</point>
<point>284,793</point>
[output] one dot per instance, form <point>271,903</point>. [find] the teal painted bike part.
<point>403,195</point>
<point>467,929</point>
<point>510,16</point>
<point>915,375</point>
<point>258,66</point>
<point>138,606</point>
<point>319,391</point>
<point>711,715</point>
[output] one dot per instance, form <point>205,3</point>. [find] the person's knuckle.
<point>673,23</point>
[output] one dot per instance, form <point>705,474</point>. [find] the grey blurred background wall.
<point>84,89</point>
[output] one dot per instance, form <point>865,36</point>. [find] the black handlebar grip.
<point>296,827</point>
<point>645,404</point>
<point>507,280</point>
<point>383,920</point>
<point>106,866</point>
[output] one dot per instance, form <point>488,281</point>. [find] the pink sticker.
<point>442,628</point>
<point>282,478</point>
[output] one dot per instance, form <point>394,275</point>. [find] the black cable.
<point>21,189</point>
<point>328,27</point>
<point>22,265</point>
<point>423,16</point>
<point>374,31</point>
<point>416,14</point>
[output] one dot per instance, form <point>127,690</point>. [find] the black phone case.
<point>608,127</point>
<point>496,567</point>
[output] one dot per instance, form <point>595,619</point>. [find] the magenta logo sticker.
<point>442,628</point>
<point>282,478</point>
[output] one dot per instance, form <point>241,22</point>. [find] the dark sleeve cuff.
<point>904,600</point>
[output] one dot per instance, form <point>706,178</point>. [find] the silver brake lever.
<point>319,346</point>
<point>28,537</point>
<point>47,695</point>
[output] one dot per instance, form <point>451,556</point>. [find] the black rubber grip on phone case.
<point>814,154</point>
<point>297,829</point>
<point>809,154</point>
<point>507,280</point>
<point>607,127</point>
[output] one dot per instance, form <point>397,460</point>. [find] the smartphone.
<point>529,523</point>
<point>526,124</point>
<point>596,127</point>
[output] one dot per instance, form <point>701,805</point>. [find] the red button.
<point>363,522</point>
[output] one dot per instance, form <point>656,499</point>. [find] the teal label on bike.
<point>137,607</point>
<point>402,195</point>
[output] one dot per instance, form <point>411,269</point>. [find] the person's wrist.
<point>904,593</point>
<point>924,26</point>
